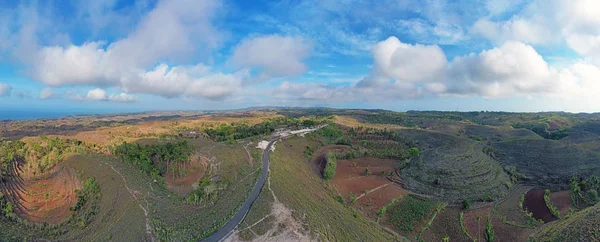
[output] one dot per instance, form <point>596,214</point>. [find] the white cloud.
<point>512,69</point>
<point>122,97</point>
<point>172,31</point>
<point>313,91</point>
<point>576,23</point>
<point>405,63</point>
<point>100,95</point>
<point>48,93</point>
<point>275,55</point>
<point>519,29</point>
<point>190,81</point>
<point>5,89</point>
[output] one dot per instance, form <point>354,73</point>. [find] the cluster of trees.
<point>235,131</point>
<point>332,132</point>
<point>9,152</point>
<point>6,207</point>
<point>585,190</point>
<point>541,128</point>
<point>155,159</point>
<point>89,191</point>
<point>207,190</point>
<point>40,155</point>
<point>330,166</point>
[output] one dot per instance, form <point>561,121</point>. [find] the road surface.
<point>226,230</point>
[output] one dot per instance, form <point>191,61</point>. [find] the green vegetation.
<point>543,129</point>
<point>90,190</point>
<point>549,204</point>
<point>414,152</point>
<point>463,228</point>
<point>300,189</point>
<point>39,154</point>
<point>235,131</point>
<point>155,159</point>
<point>206,191</point>
<point>332,132</point>
<point>489,230</point>
<point>429,223</point>
<point>404,214</point>
<point>466,204</point>
<point>330,166</point>
<point>584,192</point>
<point>581,226</point>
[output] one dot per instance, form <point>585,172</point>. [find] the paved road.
<point>226,230</point>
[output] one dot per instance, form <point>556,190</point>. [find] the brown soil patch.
<point>372,202</point>
<point>46,200</point>
<point>446,223</point>
<point>562,201</point>
<point>534,203</point>
<point>183,185</point>
<point>351,178</point>
<point>502,231</point>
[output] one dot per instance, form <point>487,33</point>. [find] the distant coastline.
<point>37,114</point>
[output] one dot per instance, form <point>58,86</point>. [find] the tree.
<point>414,152</point>
<point>330,166</point>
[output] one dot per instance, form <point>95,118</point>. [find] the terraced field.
<point>453,169</point>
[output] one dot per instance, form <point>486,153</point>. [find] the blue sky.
<point>120,56</point>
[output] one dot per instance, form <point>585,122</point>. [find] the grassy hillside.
<point>453,169</point>
<point>581,226</point>
<point>312,202</point>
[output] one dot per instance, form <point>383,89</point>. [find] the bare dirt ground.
<point>45,200</point>
<point>562,201</point>
<point>195,171</point>
<point>534,202</point>
<point>502,231</point>
<point>250,159</point>
<point>372,191</point>
<point>446,223</point>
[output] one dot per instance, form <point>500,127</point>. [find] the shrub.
<point>352,197</point>
<point>594,196</point>
<point>330,166</point>
<point>466,204</point>
<point>489,230</point>
<point>89,190</point>
<point>344,140</point>
<point>549,204</point>
<point>340,199</point>
<point>414,152</point>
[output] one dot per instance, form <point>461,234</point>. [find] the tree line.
<point>235,131</point>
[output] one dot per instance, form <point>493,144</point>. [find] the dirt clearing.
<point>45,200</point>
<point>534,203</point>
<point>183,185</point>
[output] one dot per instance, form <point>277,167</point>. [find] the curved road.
<point>226,230</point>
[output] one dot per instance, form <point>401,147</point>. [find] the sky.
<point>468,55</point>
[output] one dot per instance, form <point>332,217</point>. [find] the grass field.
<point>581,226</point>
<point>320,214</point>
